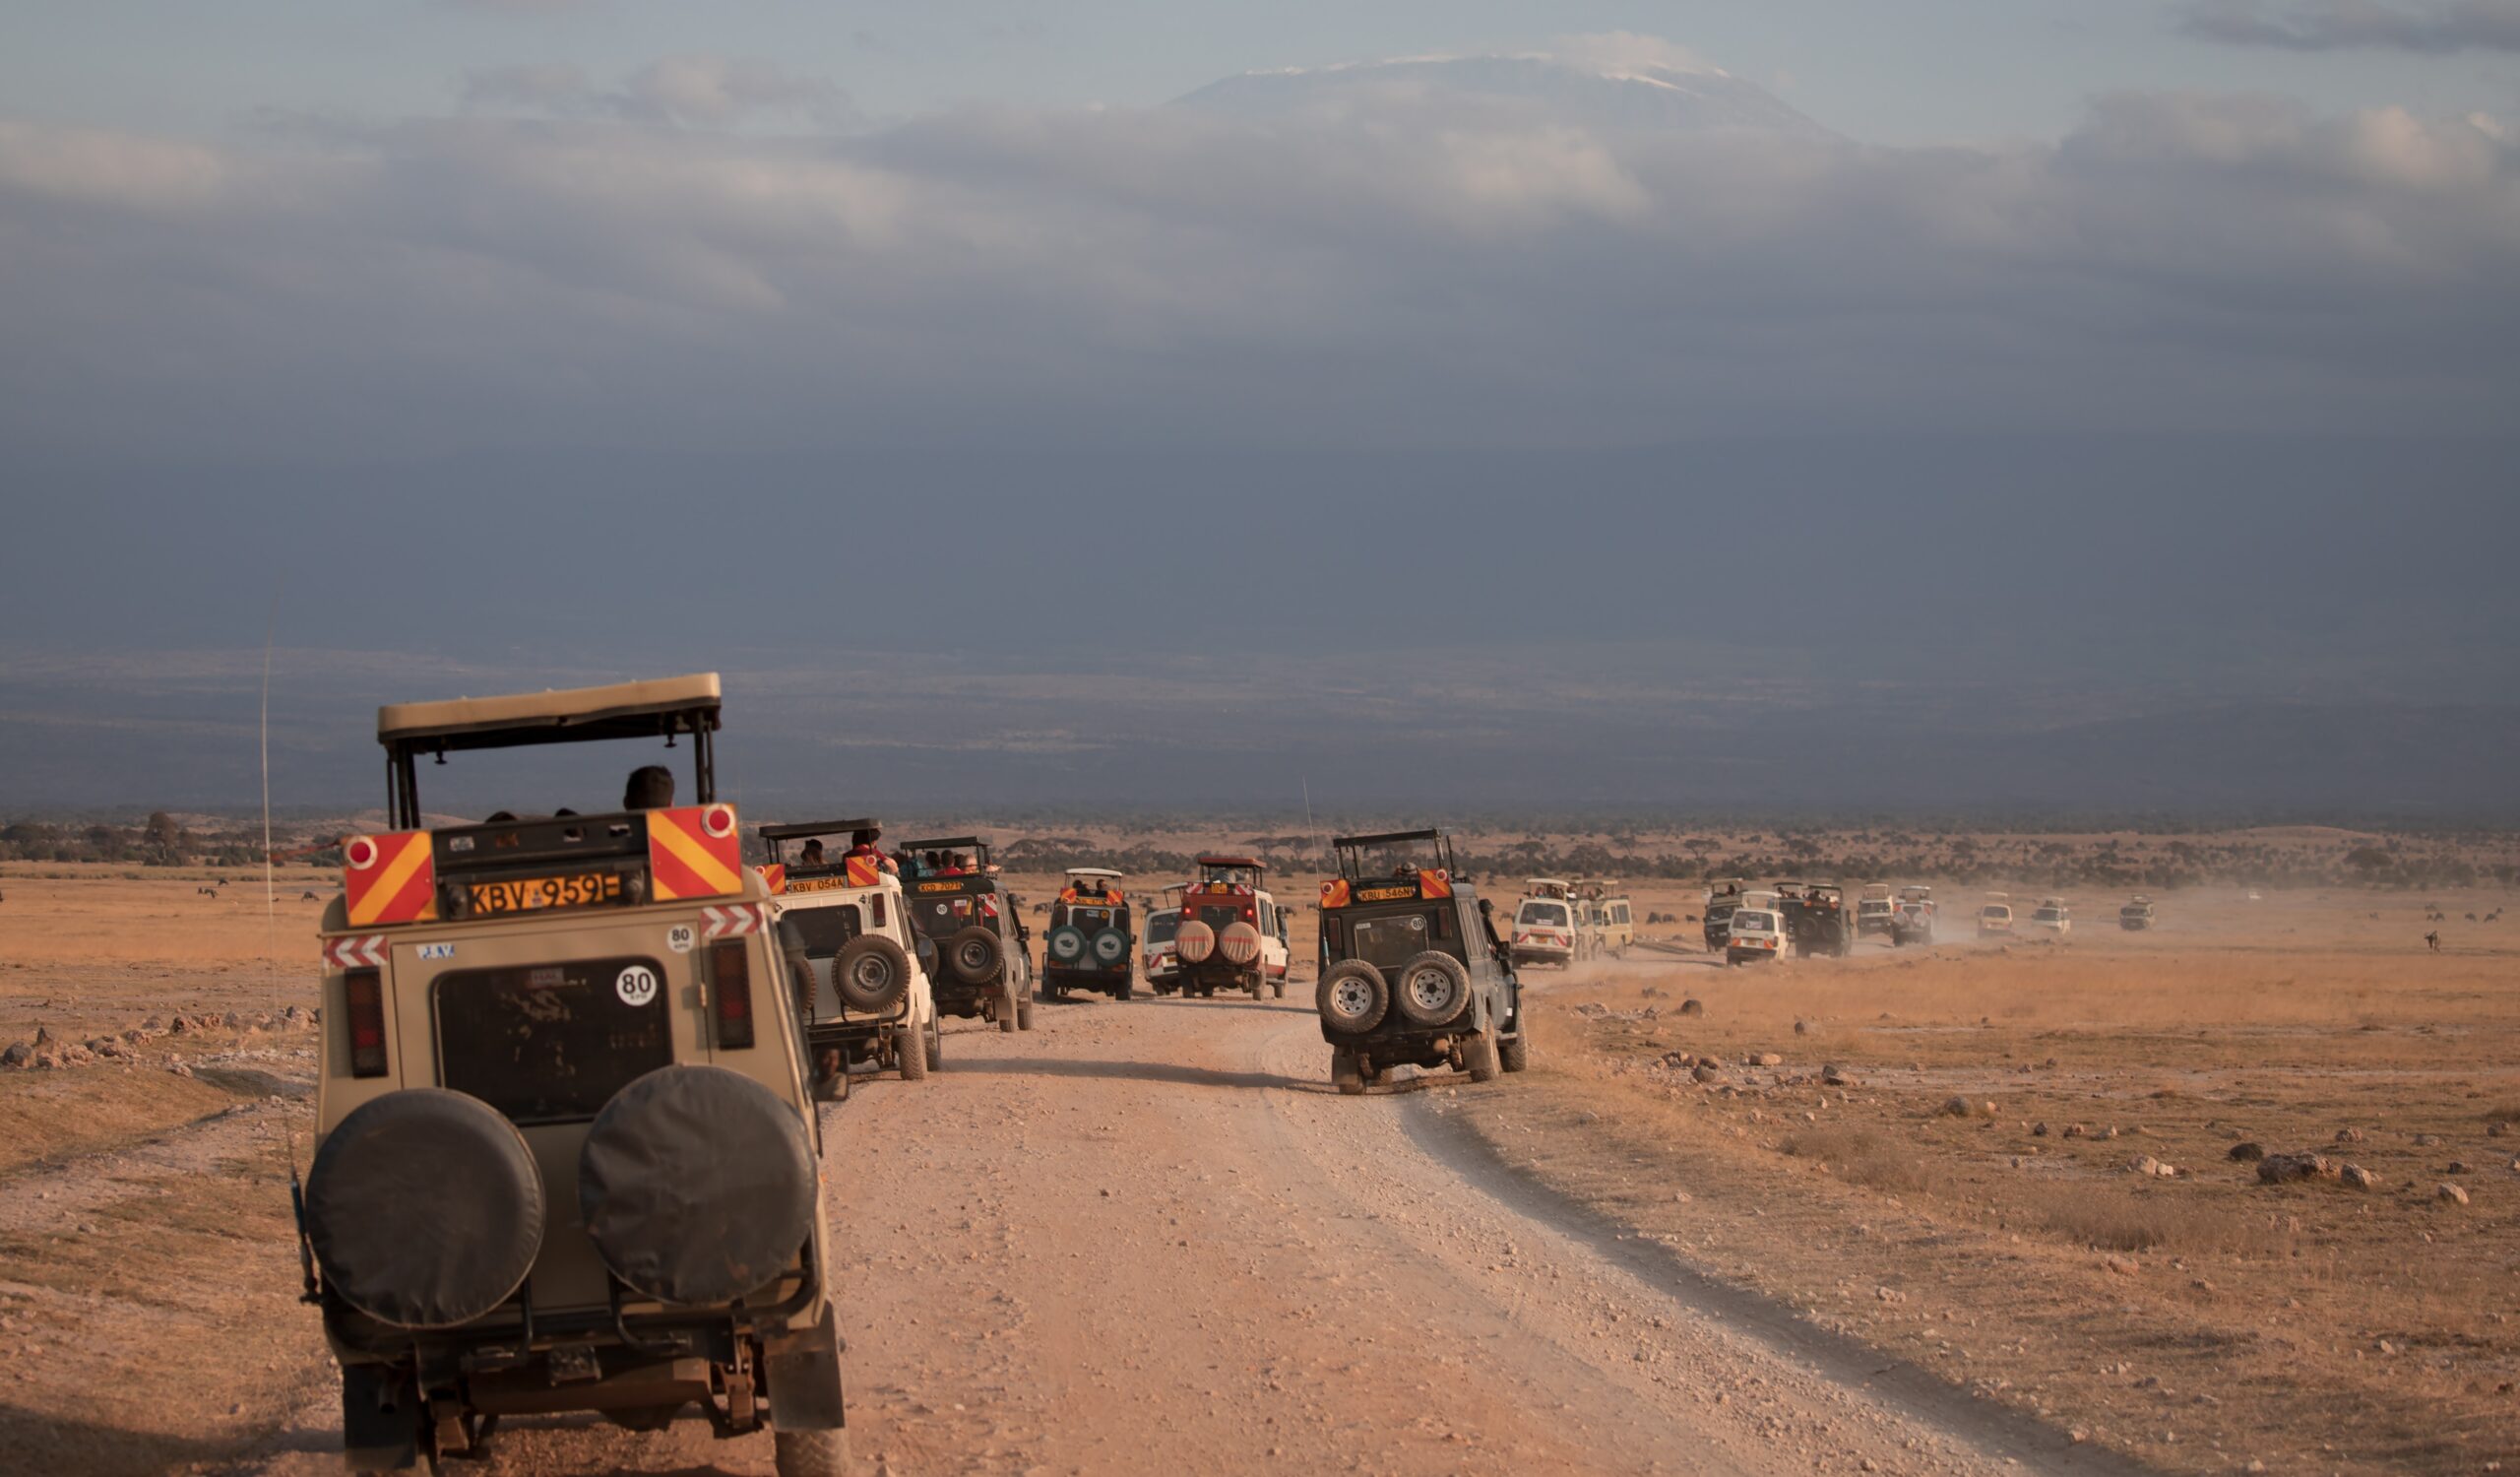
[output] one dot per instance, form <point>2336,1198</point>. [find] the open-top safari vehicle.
<point>975,926</point>
<point>566,1154</point>
<point>858,970</point>
<point>1091,943</point>
<point>1232,935</point>
<point>1411,973</point>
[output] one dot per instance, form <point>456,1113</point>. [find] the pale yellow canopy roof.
<point>562,708</point>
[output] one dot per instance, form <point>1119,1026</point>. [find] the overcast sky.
<point>2156,353</point>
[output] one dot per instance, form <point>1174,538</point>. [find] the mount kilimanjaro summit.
<point>1607,88</point>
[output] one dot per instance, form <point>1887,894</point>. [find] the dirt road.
<point>1149,1238</point>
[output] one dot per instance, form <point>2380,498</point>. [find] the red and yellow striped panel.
<point>1435,883</point>
<point>775,876</point>
<point>863,872</point>
<point>694,852</point>
<point>1334,893</point>
<point>389,879</point>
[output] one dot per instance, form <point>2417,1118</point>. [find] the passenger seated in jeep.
<point>862,844</point>
<point>650,788</point>
<point>812,855</point>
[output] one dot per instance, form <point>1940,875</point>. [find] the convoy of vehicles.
<point>1232,933</point>
<point>1090,944</point>
<point>859,971</point>
<point>975,927</point>
<point>2136,915</point>
<point>2052,916</point>
<point>566,1155</point>
<point>1410,973</point>
<point>1818,923</point>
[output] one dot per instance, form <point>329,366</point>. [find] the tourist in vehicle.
<point>861,843</point>
<point>812,855</point>
<point>650,788</point>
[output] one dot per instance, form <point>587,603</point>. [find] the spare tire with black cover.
<point>424,1209</point>
<point>974,955</point>
<point>696,1185</point>
<point>1433,988</point>
<point>1352,996</point>
<point>1110,946</point>
<point>1066,944</point>
<point>871,973</point>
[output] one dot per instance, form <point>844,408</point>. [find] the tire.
<point>697,1185</point>
<point>1023,1014</point>
<point>936,1049</point>
<point>1431,988</point>
<point>870,973</point>
<point>810,1453</point>
<point>1239,942</point>
<point>424,1209</point>
<point>1278,989</point>
<point>1108,947</point>
<point>1066,944</point>
<point>913,1052</point>
<point>976,955</point>
<point>1345,1075</point>
<point>1479,1058</point>
<point>1353,996</point>
<point>1194,941</point>
<point>1514,1053</point>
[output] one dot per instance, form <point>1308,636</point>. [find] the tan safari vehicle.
<point>853,958</point>
<point>566,1159</point>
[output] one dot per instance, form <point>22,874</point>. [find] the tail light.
<point>365,993</point>
<point>731,984</point>
<point>875,906</point>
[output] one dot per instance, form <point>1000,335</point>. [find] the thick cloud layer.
<point>2430,26</point>
<point>1423,274</point>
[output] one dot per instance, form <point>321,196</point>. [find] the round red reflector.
<point>360,853</point>
<point>720,820</point>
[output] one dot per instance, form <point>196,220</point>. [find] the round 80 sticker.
<point>637,985</point>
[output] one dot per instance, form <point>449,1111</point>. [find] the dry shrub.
<point>1859,1156</point>
<point>2113,1219</point>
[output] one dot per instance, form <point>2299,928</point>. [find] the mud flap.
<point>803,1371</point>
<point>381,1419</point>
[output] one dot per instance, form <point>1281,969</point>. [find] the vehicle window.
<point>1751,923</point>
<point>552,1043</point>
<point>1218,914</point>
<point>1161,926</point>
<point>1619,913</point>
<point>1548,915</point>
<point>1090,918</point>
<point>824,930</point>
<point>1389,942</point>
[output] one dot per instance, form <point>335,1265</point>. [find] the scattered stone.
<point>2146,1164</point>
<point>43,1037</point>
<point>2446,1191</point>
<point>180,1069</point>
<point>2123,1266</point>
<point>2076,1130</point>
<point>2427,1140</point>
<point>1802,1028</point>
<point>1838,1076</point>
<point>2455,1167</point>
<point>2247,1153</point>
<point>2496,1128</point>
<point>2349,1135</point>
<point>19,1056</point>
<point>1705,1074</point>
<point>2109,1132</point>
<point>2039,1130</point>
<point>1692,1006</point>
<point>1770,1058</point>
<point>1955,1108</point>
<point>2283,1169</point>
<point>2356,1176</point>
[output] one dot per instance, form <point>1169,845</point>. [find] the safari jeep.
<point>1090,944</point>
<point>984,967</point>
<point>565,1155</point>
<point>1157,958</point>
<point>1410,973</point>
<point>856,965</point>
<point>1549,924</point>
<point>1723,896</point>
<point>1233,934</point>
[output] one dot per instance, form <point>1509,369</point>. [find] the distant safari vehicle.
<point>859,972</point>
<point>1156,958</point>
<point>1994,915</point>
<point>1233,934</point>
<point>975,926</point>
<point>2052,916</point>
<point>2136,915</point>
<point>1818,923</point>
<point>566,1154</point>
<point>1090,944</point>
<point>1915,920</point>
<point>1549,924</point>
<point>1755,934</point>
<point>1723,896</point>
<point>1613,918</point>
<point>1411,973</point>
<point>1874,911</point>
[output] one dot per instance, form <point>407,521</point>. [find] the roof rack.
<point>795,829</point>
<point>1387,838</point>
<point>659,708</point>
<point>940,842</point>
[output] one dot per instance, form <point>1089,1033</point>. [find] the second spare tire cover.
<point>425,1208</point>
<point>697,1185</point>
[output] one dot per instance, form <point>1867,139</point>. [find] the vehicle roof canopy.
<point>1253,862</point>
<point>1091,871</point>
<point>793,830</point>
<point>1386,838</point>
<point>942,843</point>
<point>661,707</point>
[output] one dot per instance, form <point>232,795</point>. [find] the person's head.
<point>650,788</point>
<point>865,836</point>
<point>961,859</point>
<point>813,851</point>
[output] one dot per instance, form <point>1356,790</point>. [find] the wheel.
<point>810,1453</point>
<point>870,973</point>
<point>1479,1058</point>
<point>1125,991</point>
<point>1431,989</point>
<point>935,1051</point>
<point>911,1053</point>
<point>1353,996</point>
<point>1023,1014</point>
<point>975,954</point>
<point>1278,989</point>
<point>1345,1074</point>
<point>1514,1053</point>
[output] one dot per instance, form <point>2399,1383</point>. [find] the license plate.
<point>529,894</point>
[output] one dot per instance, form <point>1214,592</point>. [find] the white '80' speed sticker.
<point>678,938</point>
<point>637,985</point>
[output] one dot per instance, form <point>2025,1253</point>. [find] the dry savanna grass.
<point>1969,1193</point>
